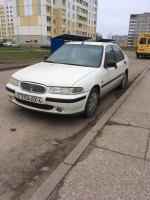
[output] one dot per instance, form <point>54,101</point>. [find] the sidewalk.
<point>118,166</point>
<point>116,162</point>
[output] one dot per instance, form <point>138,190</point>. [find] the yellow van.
<point>143,45</point>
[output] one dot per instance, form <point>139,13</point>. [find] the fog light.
<point>59,109</point>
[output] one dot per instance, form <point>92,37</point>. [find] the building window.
<point>48,28</point>
<point>68,23</point>
<point>54,2</point>
<point>68,5</point>
<point>63,21</point>
<point>54,21</point>
<point>48,18</point>
<point>64,2</point>
<point>63,12</point>
<point>54,30</point>
<point>48,8</point>
<point>73,7</point>
<point>54,11</point>
<point>69,14</point>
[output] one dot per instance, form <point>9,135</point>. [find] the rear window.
<point>143,40</point>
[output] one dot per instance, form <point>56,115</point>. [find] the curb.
<point>13,67</point>
<point>51,182</point>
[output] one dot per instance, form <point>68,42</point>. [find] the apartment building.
<point>120,39</point>
<point>6,20</point>
<point>36,21</point>
<point>139,23</point>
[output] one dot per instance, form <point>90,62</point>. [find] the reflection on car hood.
<point>52,74</point>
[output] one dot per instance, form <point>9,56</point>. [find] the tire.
<point>124,81</point>
<point>92,103</point>
<point>137,55</point>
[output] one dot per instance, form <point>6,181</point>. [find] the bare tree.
<point>109,36</point>
<point>99,36</point>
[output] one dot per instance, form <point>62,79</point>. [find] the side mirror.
<point>45,57</point>
<point>111,63</point>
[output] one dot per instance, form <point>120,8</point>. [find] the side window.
<point>118,53</point>
<point>143,41</point>
<point>148,40</point>
<point>109,54</point>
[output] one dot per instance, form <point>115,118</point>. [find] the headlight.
<point>13,81</point>
<point>63,90</point>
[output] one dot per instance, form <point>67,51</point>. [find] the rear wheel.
<point>124,81</point>
<point>92,103</point>
<point>137,55</point>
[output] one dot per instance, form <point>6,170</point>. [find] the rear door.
<point>117,74</point>
<point>142,45</point>
<point>147,50</point>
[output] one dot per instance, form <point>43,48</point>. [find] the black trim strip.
<point>111,81</point>
<point>66,100</point>
<point>10,90</point>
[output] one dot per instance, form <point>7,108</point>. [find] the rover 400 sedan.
<point>71,80</point>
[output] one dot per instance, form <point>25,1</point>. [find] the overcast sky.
<point>114,15</point>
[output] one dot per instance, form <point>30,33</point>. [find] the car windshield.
<point>78,54</point>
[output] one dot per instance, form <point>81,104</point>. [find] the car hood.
<point>52,74</point>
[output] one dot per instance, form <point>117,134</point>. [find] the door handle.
<point>125,62</point>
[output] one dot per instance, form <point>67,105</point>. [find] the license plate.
<point>29,98</point>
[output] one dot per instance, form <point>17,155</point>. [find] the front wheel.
<point>137,55</point>
<point>92,103</point>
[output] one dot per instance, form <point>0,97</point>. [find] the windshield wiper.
<point>70,64</point>
<point>49,61</point>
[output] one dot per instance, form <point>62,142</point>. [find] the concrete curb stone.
<point>13,67</point>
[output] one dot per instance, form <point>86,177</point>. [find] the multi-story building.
<point>36,21</point>
<point>6,20</point>
<point>139,23</point>
<point>120,39</point>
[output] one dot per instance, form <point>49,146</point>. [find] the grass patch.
<point>128,48</point>
<point>109,123</point>
<point>27,54</point>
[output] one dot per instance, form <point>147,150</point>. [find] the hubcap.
<point>93,102</point>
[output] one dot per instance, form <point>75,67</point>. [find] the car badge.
<point>31,88</point>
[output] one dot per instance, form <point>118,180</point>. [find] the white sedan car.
<point>11,44</point>
<point>72,80</point>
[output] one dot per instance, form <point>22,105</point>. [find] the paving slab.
<point>134,110</point>
<point>106,175</point>
<point>124,139</point>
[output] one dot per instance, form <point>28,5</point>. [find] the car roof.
<point>92,43</point>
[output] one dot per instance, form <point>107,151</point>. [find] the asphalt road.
<point>32,144</point>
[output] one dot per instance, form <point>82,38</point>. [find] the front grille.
<point>33,87</point>
<point>35,105</point>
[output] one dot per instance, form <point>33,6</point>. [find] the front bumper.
<point>51,103</point>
